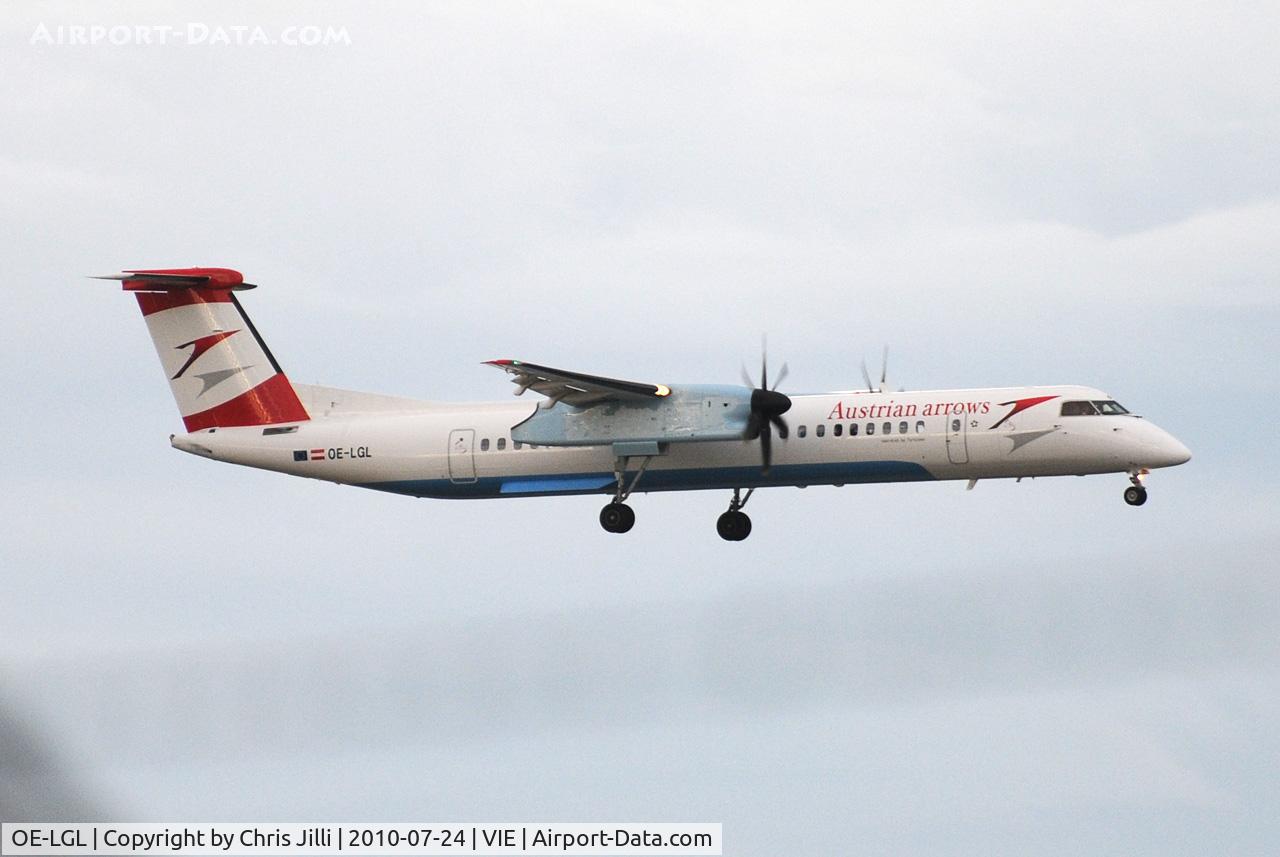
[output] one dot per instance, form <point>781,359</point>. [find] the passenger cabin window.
<point>888,428</point>
<point>1078,409</point>
<point>871,428</point>
<point>853,429</point>
<point>822,430</point>
<point>1109,407</point>
<point>955,425</point>
<point>502,444</point>
<point>837,429</point>
<point>920,427</point>
<point>484,445</point>
<point>801,432</point>
<point>517,444</point>
<point>902,428</point>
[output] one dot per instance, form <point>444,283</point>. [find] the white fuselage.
<point>466,450</point>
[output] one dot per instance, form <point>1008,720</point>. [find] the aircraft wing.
<point>575,388</point>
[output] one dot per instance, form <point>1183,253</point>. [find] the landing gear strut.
<point>618,517</point>
<point>734,525</point>
<point>1136,494</point>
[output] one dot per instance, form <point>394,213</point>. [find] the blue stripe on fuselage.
<point>690,479</point>
<point>557,485</point>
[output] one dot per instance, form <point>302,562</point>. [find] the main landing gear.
<point>734,525</point>
<point>1136,494</point>
<point>618,517</point>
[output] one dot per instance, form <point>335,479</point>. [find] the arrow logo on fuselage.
<point>1022,438</point>
<point>1020,405</point>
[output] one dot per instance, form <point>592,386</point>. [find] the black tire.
<point>1135,495</point>
<point>617,518</point>
<point>733,526</point>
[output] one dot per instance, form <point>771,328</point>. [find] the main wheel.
<point>617,517</point>
<point>1135,495</point>
<point>733,526</point>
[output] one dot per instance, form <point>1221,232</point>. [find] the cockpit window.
<point>1078,409</point>
<point>1109,407</point>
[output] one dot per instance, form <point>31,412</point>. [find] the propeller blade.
<point>782,373</point>
<point>746,379</point>
<point>767,408</point>
<point>866,376</point>
<point>884,367</point>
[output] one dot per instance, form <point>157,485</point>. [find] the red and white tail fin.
<point>220,370</point>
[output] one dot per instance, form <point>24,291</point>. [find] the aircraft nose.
<point>1169,451</point>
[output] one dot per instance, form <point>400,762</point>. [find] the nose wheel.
<point>734,525</point>
<point>1136,494</point>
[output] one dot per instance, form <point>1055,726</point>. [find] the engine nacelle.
<point>693,413</point>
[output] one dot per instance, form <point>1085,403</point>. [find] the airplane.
<point>595,435</point>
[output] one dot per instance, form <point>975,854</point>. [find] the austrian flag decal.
<point>308,455</point>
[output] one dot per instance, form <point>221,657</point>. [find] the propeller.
<point>767,408</point>
<point>884,374</point>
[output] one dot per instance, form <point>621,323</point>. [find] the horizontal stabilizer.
<point>172,279</point>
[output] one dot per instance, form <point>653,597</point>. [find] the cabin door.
<point>462,455</point>
<point>957,442</point>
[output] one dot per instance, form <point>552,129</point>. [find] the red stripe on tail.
<point>272,401</point>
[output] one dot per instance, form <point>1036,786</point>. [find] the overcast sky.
<point>1004,195</point>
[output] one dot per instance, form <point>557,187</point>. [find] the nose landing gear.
<point>1136,494</point>
<point>734,525</point>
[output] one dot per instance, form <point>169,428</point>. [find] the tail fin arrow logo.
<point>200,346</point>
